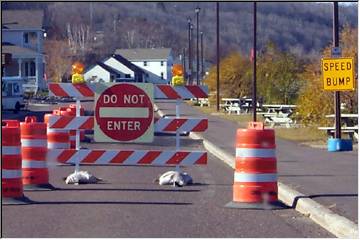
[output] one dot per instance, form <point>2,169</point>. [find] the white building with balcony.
<point>156,62</point>
<point>23,37</point>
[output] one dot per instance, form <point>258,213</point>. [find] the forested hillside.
<point>300,28</point>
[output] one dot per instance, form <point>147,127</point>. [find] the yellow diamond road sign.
<point>338,74</point>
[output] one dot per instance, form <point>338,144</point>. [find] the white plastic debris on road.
<point>81,177</point>
<point>175,178</point>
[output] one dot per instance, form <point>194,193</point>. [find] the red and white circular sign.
<point>124,112</point>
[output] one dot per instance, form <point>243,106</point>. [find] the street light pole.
<point>202,55</point>
<point>197,11</point>
<point>337,93</point>
<point>217,59</point>
<point>190,80</point>
<point>184,63</point>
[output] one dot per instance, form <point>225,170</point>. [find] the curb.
<point>338,225</point>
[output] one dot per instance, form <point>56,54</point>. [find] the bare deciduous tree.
<point>79,38</point>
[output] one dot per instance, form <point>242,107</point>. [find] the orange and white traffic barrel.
<point>255,177</point>
<point>56,138</point>
<point>11,173</point>
<point>34,154</point>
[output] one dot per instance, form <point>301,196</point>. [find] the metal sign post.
<point>217,60</point>
<point>77,138</point>
<point>337,93</point>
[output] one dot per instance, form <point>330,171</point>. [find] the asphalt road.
<point>129,204</point>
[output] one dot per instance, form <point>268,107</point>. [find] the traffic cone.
<point>255,177</point>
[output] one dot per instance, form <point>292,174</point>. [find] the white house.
<point>156,62</point>
<point>101,73</point>
<point>22,37</point>
<point>115,69</point>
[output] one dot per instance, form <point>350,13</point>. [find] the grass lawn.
<point>306,135</point>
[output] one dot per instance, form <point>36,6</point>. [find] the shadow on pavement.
<point>127,189</point>
<point>306,175</point>
<point>322,195</point>
<point>107,202</point>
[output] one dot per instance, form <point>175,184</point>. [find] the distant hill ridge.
<point>301,28</point>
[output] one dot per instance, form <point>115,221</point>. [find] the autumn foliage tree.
<point>235,76</point>
<point>58,60</point>
<point>314,102</point>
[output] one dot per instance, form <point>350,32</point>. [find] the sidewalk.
<point>328,178</point>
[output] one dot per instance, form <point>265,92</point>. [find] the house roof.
<point>22,19</point>
<point>107,68</point>
<point>127,63</point>
<point>13,49</point>
<point>144,53</point>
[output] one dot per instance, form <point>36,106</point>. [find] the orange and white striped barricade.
<point>34,155</point>
<point>11,173</point>
<point>255,177</point>
<point>56,138</point>
<point>161,91</point>
<point>168,124</point>
<point>128,157</point>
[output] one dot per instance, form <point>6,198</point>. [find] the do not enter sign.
<point>124,112</point>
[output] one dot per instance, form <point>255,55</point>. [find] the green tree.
<point>278,76</point>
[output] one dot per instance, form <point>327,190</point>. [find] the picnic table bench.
<point>349,125</point>
<point>278,114</point>
<point>353,132</point>
<point>237,105</point>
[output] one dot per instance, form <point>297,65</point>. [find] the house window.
<point>162,75</point>
<point>30,69</point>
<point>145,63</point>
<point>127,76</point>
<point>26,38</point>
<point>162,63</point>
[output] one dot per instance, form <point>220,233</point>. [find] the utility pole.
<point>254,67</point>
<point>202,55</point>
<point>184,63</point>
<point>190,79</point>
<point>197,11</point>
<point>337,93</point>
<point>217,59</point>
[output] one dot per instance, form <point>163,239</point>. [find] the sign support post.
<point>77,139</point>
<point>337,93</point>
<point>177,110</point>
